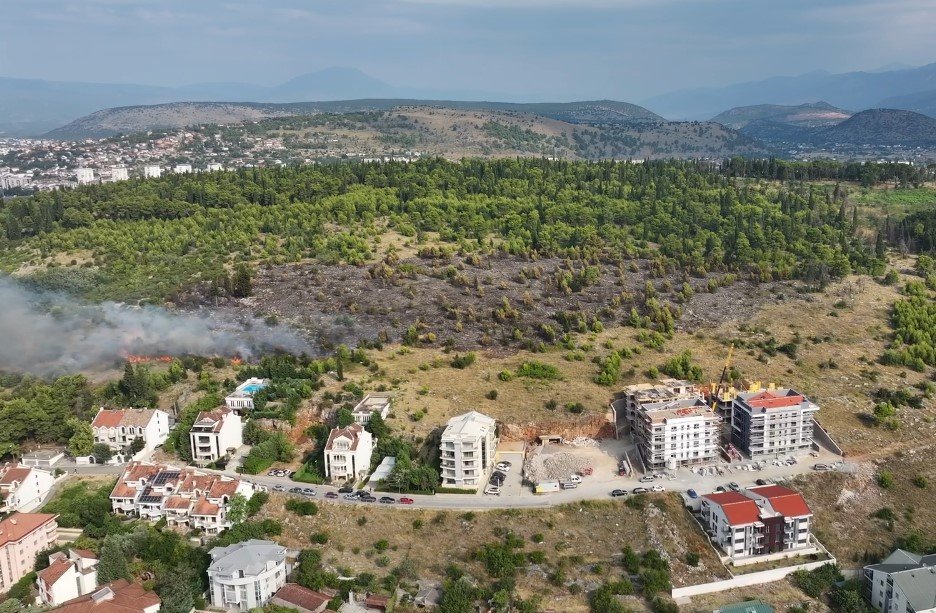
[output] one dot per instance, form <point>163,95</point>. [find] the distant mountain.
<point>851,90</point>
<point>871,128</point>
<point>124,120</point>
<point>811,114</point>
<point>333,84</point>
<point>920,102</point>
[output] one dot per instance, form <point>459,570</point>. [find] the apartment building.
<point>69,575</point>
<point>467,450</point>
<point>119,173</point>
<point>118,596</point>
<point>772,422</point>
<point>152,172</point>
<point>758,521</point>
<point>182,169</point>
<point>119,428</point>
<point>904,582</point>
<point>378,402</point>
<point>241,399</point>
<point>23,488</point>
<point>348,453</point>
<point>214,433</point>
<point>185,497</point>
<point>22,537</point>
<point>84,176</point>
<point>672,433</point>
<point>636,396</point>
<point>246,575</point>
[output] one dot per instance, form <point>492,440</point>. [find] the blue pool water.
<point>253,389</point>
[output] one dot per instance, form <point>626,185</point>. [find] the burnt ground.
<point>474,302</point>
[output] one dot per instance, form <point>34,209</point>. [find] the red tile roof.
<point>203,507</point>
<point>137,418</point>
<point>177,502</point>
<point>18,525</point>
<point>127,598</point>
<point>302,597</point>
<point>738,508</point>
<point>379,602</point>
<point>122,490</point>
<point>783,500</point>
<point>13,475</point>
<point>86,554</point>
<point>223,487</point>
<point>53,572</point>
<point>352,432</point>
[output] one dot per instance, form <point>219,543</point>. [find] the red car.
<point>405,500</point>
<point>331,494</point>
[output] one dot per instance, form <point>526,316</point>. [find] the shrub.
<point>538,370</point>
<point>319,538</point>
<point>381,545</point>
<point>417,524</point>
<point>463,361</point>
<point>920,481</point>
<point>491,395</point>
<point>692,558</point>
<point>885,513</point>
<point>885,479</point>
<point>538,537</point>
<point>301,507</point>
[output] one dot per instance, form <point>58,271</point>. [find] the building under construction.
<point>681,432</point>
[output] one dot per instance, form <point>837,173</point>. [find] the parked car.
<point>646,479</point>
<point>492,490</point>
<point>279,488</point>
<point>387,500</point>
<point>734,487</point>
<point>405,500</point>
<point>821,467</point>
<point>658,488</point>
<point>271,473</point>
<point>503,466</point>
<point>295,490</point>
<point>721,489</point>
<point>640,490</point>
<point>331,495</point>
<point>308,491</point>
<point>618,493</point>
<point>345,489</point>
<point>692,494</point>
<point>761,482</point>
<point>368,498</point>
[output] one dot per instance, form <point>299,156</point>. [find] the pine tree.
<point>112,564</point>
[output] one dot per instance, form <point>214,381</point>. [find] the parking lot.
<point>511,452</point>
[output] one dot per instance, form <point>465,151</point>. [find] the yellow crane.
<point>724,375</point>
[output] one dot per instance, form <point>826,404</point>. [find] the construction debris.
<point>548,464</point>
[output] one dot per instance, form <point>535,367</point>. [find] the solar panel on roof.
<point>166,475</point>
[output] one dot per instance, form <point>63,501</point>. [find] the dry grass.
<point>779,594</point>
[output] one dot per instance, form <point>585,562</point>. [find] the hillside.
<point>920,102</point>
<point>808,115</point>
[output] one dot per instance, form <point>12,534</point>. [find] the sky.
<point>524,49</point>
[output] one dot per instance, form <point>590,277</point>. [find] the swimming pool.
<point>253,388</point>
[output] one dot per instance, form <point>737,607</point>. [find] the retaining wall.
<point>764,576</point>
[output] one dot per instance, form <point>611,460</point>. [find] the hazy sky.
<point>548,49</point>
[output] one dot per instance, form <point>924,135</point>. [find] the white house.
<point>241,399</point>
<point>118,596</point>
<point>23,488</point>
<point>152,172</point>
<point>246,575</point>
<point>904,582</point>
<point>680,432</point>
<point>467,449</point>
<point>214,433</point>
<point>215,166</point>
<point>348,453</point>
<point>378,402</point>
<point>119,428</point>
<point>68,575</point>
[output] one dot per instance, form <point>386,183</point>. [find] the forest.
<point>148,240</point>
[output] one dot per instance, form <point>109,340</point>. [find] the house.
<point>119,428</point>
<point>294,596</point>
<point>679,432</point>
<point>23,488</point>
<point>214,433</point>
<point>22,537</point>
<point>118,596</point>
<point>467,449</point>
<point>348,453</point>
<point>241,399</point>
<point>759,521</point>
<point>376,602</point>
<point>378,402</point>
<point>636,396</point>
<point>246,575</point>
<point>42,458</point>
<point>68,576</point>
<point>185,497</point>
<point>904,582</point>
<point>772,422</point>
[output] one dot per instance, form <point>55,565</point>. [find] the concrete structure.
<point>383,469</point>
<point>772,422</point>
<point>22,537</point>
<point>214,433</point>
<point>348,453</point>
<point>378,402</point>
<point>12,181</point>
<point>84,176</point>
<point>241,399</point>
<point>119,173</point>
<point>904,582</point>
<point>246,575</point>
<point>181,169</point>
<point>467,450</point>
<point>118,596</point>
<point>118,429</point>
<point>69,575</point>
<point>152,172</point>
<point>640,394</point>
<point>760,521</point>
<point>215,166</point>
<point>42,458</point>
<point>294,596</point>
<point>23,488</point>
<point>672,433</point>
<point>183,496</point>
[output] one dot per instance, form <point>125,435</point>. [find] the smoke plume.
<point>46,333</point>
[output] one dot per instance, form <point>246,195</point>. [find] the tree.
<point>237,508</point>
<point>112,563</point>
<point>241,286</point>
<point>137,445</point>
<point>458,596</point>
<point>344,418</point>
<point>81,441</point>
<point>177,590</point>
<point>102,453</point>
<point>377,426</point>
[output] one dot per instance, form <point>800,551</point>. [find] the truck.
<point>571,482</point>
<point>546,487</point>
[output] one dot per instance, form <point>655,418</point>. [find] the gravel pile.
<point>554,466</point>
<point>583,441</point>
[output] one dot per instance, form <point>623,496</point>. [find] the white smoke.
<point>46,333</point>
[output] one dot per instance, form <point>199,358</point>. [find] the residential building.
<point>678,432</point>
<point>215,166</point>
<point>84,176</point>
<point>181,169</point>
<point>772,422</point>
<point>152,172</point>
<point>119,428</point>
<point>378,402</point>
<point>758,521</point>
<point>42,458</point>
<point>904,582</point>
<point>69,575</point>
<point>185,497</point>
<point>348,453</point>
<point>635,396</point>
<point>214,433</point>
<point>23,488</point>
<point>119,173</point>
<point>11,181</point>
<point>294,596</point>
<point>241,399</point>
<point>118,596</point>
<point>246,575</point>
<point>467,449</point>
<point>22,537</point>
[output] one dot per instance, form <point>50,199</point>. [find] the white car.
<point>657,488</point>
<point>492,490</point>
<point>503,466</point>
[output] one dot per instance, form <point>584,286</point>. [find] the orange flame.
<point>143,359</point>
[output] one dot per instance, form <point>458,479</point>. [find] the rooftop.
<point>250,556</point>
<point>137,418</point>
<point>302,597</point>
<point>471,424</point>
<point>783,500</point>
<point>739,509</point>
<point>914,574</point>
<point>352,433</point>
<point>376,401</point>
<point>18,525</point>
<point>781,398</point>
<point>116,597</point>
<point>679,408</point>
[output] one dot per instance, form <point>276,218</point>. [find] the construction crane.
<point>724,376</point>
